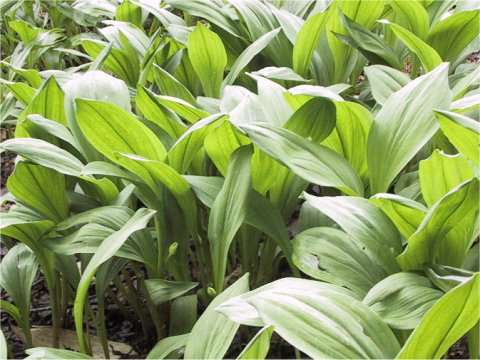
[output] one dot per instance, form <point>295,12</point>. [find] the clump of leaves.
<point>176,141</point>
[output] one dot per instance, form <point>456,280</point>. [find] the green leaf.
<point>450,36</point>
<point>129,12</point>
<point>307,40</point>
<point>405,213</point>
<point>451,317</point>
<point>22,92</point>
<point>208,57</point>
<point>95,85</point>
<point>41,188</point>
<point>210,11</point>
<point>330,255</point>
<point>106,250</point>
<point>463,132</point>
<point>366,224</point>
<point>183,314</point>
<point>221,142</point>
<point>371,45</point>
<point>319,319</point>
<point>48,102</point>
<point>45,154</point>
<point>440,173</point>
<point>412,16</point>
<point>402,299</point>
<point>453,207</point>
<point>213,332</point>
<point>258,347</point>
<point>312,162</point>
<point>172,180</point>
<point>349,138</point>
<point>111,129</point>
<point>154,111</point>
<point>164,290</point>
<point>167,345</point>
<point>427,55</point>
<point>384,81</point>
<point>184,109</point>
<point>169,85</point>
<point>43,353</point>
<point>186,147</point>
<point>403,125</point>
<point>247,55</point>
<point>18,270</point>
<point>229,211</point>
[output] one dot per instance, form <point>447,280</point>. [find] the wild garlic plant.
<point>306,167</point>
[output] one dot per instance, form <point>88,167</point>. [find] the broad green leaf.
<point>412,16</point>
<point>261,213</point>
<point>312,162</point>
<point>184,109</point>
<point>207,10</point>
<point>164,290</point>
<point>40,188</point>
<point>18,270</point>
<point>118,61</point>
<point>258,347</point>
<point>53,128</point>
<point>169,85</point>
<point>172,180</point>
<point>129,12</point>
<point>247,55</point>
<point>365,224</point>
<point>364,13</point>
<point>313,120</point>
<point>229,211</point>
<point>111,129</point>
<point>151,108</point>
<point>221,142</point>
<point>371,45</point>
<point>22,92</point>
<point>349,138</point>
<point>330,255</point>
<point>440,173</point>
<point>106,250</point>
<point>319,319</point>
<point>402,299</point>
<point>279,73</point>
<point>212,334</point>
<point>307,39</point>
<point>450,36</point>
<point>27,231</point>
<point>153,6</point>
<point>427,55</point>
<point>404,125</point>
<point>451,317</point>
<point>165,346</point>
<point>384,81</point>
<point>45,154</point>
<point>43,353</point>
<point>48,102</point>
<point>405,213</point>
<point>458,204</point>
<point>186,147</point>
<point>183,314</point>
<point>95,85</point>
<point>126,32</point>
<point>208,57</point>
<point>463,132</point>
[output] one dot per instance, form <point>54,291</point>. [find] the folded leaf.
<point>451,317</point>
<point>403,125</point>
